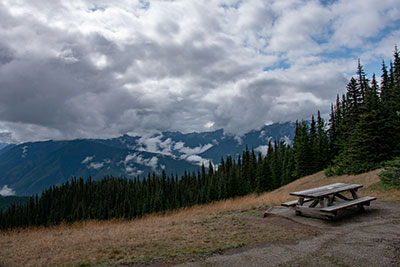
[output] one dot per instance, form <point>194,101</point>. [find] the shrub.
<point>391,172</point>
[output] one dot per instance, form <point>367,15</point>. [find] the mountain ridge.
<point>30,167</point>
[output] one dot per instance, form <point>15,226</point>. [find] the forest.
<point>362,132</point>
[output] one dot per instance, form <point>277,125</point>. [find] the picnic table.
<point>326,201</point>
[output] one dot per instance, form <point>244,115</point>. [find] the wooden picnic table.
<point>327,200</point>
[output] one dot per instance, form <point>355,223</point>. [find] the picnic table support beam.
<point>314,203</point>
<point>315,213</point>
<point>342,197</point>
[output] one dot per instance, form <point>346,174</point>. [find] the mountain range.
<point>31,167</point>
<point>3,145</point>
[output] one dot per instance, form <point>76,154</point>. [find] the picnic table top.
<point>326,190</point>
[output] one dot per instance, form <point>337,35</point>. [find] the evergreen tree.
<point>302,150</point>
<point>322,144</point>
<point>314,149</point>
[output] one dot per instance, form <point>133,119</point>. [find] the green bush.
<point>391,172</point>
<point>329,171</point>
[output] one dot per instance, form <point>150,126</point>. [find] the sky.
<point>100,69</point>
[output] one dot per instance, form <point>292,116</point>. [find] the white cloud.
<point>238,139</point>
<point>298,27</point>
<point>87,159</point>
<point>129,158</point>
<point>190,154</point>
<point>139,159</point>
<point>197,160</point>
<point>95,165</point>
<point>350,26</point>
<point>154,144</point>
<point>195,150</point>
<point>6,191</point>
<point>133,171</point>
<point>262,149</point>
<point>24,151</point>
<point>383,50</point>
<point>99,60</point>
<point>6,137</point>
<point>263,136</point>
<point>152,162</point>
<point>179,145</point>
<point>136,66</point>
<point>209,125</point>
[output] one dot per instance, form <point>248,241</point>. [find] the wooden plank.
<point>317,189</point>
<point>351,187</point>
<point>314,212</point>
<point>326,190</point>
<point>290,203</point>
<point>358,201</point>
<point>294,202</point>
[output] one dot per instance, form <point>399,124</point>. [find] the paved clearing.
<point>370,238</point>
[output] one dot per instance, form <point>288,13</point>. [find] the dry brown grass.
<point>173,237</point>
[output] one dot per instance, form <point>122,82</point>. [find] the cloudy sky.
<point>79,68</point>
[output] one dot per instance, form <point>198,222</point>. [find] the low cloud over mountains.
<point>98,69</point>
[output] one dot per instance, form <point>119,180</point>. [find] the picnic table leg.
<point>323,202</point>
<point>301,202</point>
<point>332,218</point>
<point>331,198</point>
<point>355,196</point>
<point>354,193</point>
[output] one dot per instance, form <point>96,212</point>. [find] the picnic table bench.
<point>327,200</point>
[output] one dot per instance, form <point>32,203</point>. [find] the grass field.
<point>174,237</point>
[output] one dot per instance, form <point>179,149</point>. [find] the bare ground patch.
<point>371,239</point>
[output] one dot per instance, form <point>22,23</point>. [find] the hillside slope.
<point>177,236</point>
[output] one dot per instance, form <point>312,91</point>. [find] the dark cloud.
<point>6,137</point>
<point>70,70</point>
<point>6,54</point>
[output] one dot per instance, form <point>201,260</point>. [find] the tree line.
<point>363,131</point>
<point>115,197</point>
<point>365,121</point>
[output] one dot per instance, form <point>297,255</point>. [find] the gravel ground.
<point>370,238</point>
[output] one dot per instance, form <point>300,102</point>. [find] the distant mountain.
<point>3,145</point>
<point>29,168</point>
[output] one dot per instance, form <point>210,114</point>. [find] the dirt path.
<point>371,238</point>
